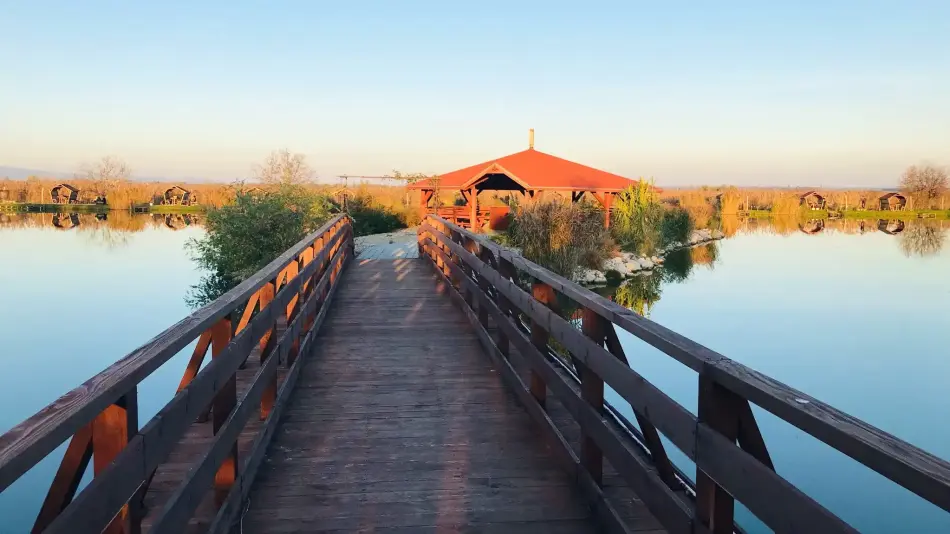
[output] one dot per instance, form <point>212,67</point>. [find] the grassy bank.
<point>904,215</point>
<point>171,209</point>
<point>53,208</point>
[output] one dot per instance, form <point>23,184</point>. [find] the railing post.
<point>544,294</point>
<point>592,390</point>
<point>111,431</point>
<point>223,404</point>
<point>293,269</point>
<point>507,270</point>
<point>267,344</point>
<point>715,507</point>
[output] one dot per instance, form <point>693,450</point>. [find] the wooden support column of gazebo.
<point>531,173</point>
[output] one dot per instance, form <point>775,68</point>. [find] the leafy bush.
<point>243,237</point>
<point>370,217</point>
<point>562,237</point>
<point>675,226</point>
<point>636,219</point>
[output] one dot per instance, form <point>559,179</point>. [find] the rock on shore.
<point>628,264</point>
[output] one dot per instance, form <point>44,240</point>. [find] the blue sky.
<point>832,93</point>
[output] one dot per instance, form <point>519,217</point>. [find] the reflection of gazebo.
<point>813,226</point>
<point>893,201</point>
<point>530,173</point>
<point>64,194</point>
<point>890,227</point>
<point>65,221</point>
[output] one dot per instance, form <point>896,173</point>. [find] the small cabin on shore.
<point>812,200</point>
<point>64,194</point>
<point>179,196</point>
<point>893,202</point>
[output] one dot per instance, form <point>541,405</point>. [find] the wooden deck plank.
<point>399,424</point>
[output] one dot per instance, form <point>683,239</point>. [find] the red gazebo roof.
<point>533,169</point>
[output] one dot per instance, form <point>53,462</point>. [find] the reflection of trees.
<point>921,239</point>
<point>639,293</point>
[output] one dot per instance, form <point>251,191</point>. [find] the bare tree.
<point>284,168</point>
<point>926,181</point>
<point>105,174</point>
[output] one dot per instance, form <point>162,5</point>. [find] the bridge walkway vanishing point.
<point>399,424</point>
<point>456,388</point>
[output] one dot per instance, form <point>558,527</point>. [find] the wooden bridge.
<point>458,391</point>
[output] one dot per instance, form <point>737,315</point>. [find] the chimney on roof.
<point>531,139</point>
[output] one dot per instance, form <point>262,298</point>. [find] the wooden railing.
<point>462,215</point>
<point>722,439</point>
<point>273,315</point>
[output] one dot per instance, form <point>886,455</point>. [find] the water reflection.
<point>812,226</point>
<point>641,292</point>
<point>922,239</point>
<point>110,229</point>
<point>731,225</point>
<point>914,238</point>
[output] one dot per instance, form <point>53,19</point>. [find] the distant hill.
<point>20,173</point>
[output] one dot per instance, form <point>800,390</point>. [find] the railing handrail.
<point>33,439</point>
<point>907,465</point>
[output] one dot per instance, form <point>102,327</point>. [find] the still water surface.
<point>852,315</point>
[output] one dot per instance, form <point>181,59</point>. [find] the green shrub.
<point>243,237</point>
<point>636,219</point>
<point>675,226</point>
<point>370,217</point>
<point>562,237</point>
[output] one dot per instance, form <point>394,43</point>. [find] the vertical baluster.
<point>267,344</point>
<point>223,405</point>
<point>507,270</point>
<point>111,431</point>
<point>486,256</point>
<point>544,294</point>
<point>717,409</point>
<point>293,269</point>
<point>592,390</point>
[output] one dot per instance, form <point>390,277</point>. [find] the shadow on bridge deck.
<point>399,424</point>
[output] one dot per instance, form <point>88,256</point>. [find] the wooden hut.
<point>179,196</point>
<point>812,200</point>
<point>64,194</point>
<point>892,202</point>
<point>530,173</point>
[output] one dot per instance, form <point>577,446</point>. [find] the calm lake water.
<point>852,314</point>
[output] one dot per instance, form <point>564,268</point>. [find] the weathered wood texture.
<point>266,319</point>
<point>400,423</point>
<point>732,460</point>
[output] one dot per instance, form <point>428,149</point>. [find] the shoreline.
<point>627,264</point>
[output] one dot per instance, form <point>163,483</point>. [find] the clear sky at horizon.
<point>832,93</point>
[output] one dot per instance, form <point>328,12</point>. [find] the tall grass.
<point>636,218</point>
<point>560,236</point>
<point>121,195</point>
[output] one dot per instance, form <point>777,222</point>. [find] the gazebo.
<point>531,173</point>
